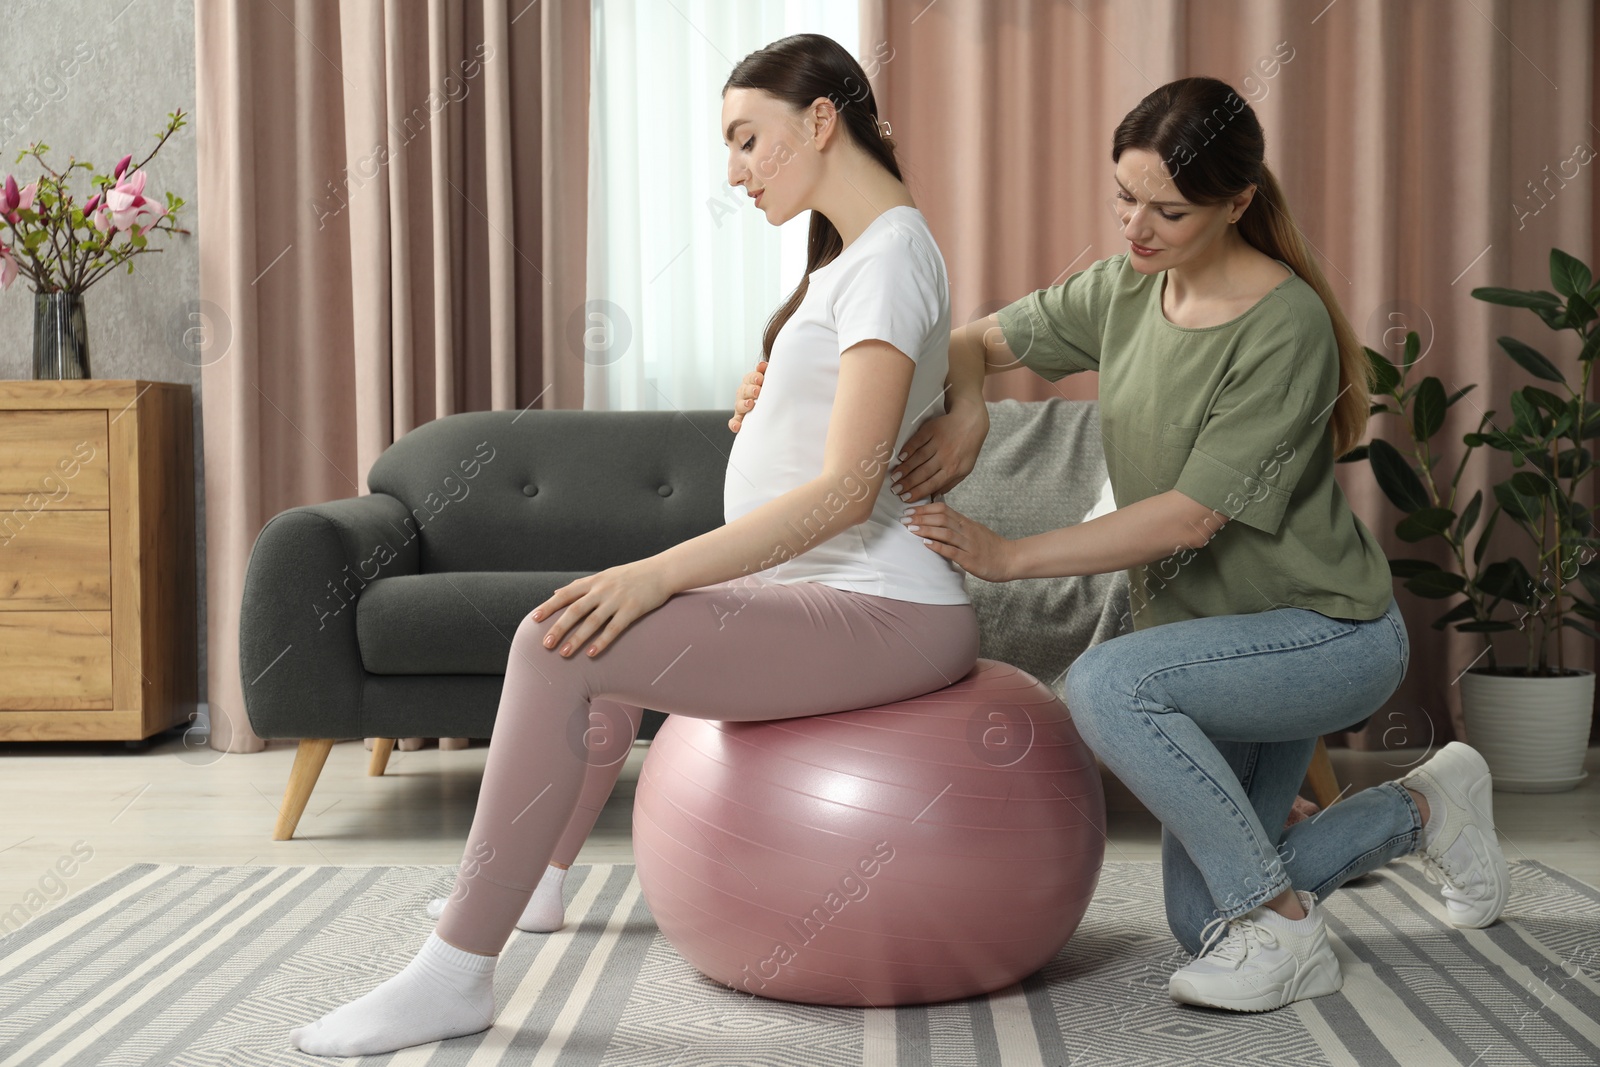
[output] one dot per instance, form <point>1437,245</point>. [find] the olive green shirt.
<point>1234,416</point>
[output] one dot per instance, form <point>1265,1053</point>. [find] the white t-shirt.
<point>889,284</point>
<point>1105,505</point>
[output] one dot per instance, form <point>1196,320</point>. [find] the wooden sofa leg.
<point>308,761</point>
<point>1320,774</point>
<point>381,747</point>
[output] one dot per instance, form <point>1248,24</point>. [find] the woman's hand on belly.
<point>613,598</point>
<point>974,547</point>
<point>745,399</point>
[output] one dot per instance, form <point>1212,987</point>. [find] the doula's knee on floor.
<point>1187,928</point>
<point>1188,901</point>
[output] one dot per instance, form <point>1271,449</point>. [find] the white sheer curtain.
<point>683,272</point>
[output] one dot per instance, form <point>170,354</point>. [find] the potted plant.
<point>62,248</point>
<point>1530,718</point>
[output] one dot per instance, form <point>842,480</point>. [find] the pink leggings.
<point>745,649</point>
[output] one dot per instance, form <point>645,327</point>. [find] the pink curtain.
<point>392,208</point>
<point>1426,148</point>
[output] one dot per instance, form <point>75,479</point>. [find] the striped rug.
<point>164,964</point>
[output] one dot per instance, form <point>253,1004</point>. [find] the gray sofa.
<point>391,614</point>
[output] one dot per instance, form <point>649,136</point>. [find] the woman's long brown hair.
<point>798,70</point>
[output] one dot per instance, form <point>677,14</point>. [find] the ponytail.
<point>1267,225</point>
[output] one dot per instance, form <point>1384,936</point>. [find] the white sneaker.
<point>1459,847</point>
<point>1260,961</point>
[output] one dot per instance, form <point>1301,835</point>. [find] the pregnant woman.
<point>1262,606</point>
<point>813,584</point>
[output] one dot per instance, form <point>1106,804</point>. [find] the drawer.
<point>46,656</point>
<point>56,561</point>
<point>54,461</point>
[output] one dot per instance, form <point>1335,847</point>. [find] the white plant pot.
<point>1533,732</point>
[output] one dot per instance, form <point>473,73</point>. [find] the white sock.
<point>545,911</point>
<point>1302,924</point>
<point>1436,810</point>
<point>444,992</point>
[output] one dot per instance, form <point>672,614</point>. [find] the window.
<point>683,272</point>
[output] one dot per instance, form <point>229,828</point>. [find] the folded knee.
<point>528,643</point>
<point>1099,681</point>
<point>530,633</point>
<point>543,675</point>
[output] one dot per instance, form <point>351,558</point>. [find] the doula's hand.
<point>940,453</point>
<point>974,547</point>
<point>749,389</point>
<point>612,598</point>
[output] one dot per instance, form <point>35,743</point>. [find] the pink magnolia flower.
<point>128,205</point>
<point>8,268</point>
<point>122,165</point>
<point>16,200</point>
<point>156,210</point>
<point>94,202</point>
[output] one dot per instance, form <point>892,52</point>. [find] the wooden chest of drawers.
<point>98,632</point>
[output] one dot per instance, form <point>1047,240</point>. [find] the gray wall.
<point>95,79</point>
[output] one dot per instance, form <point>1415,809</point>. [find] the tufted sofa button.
<point>530,490</point>
<point>665,490</point>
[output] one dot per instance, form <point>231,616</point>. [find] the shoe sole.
<point>1502,886</point>
<point>1318,980</point>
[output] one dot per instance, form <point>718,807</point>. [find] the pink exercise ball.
<point>922,851</point>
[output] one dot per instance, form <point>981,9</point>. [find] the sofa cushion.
<point>555,490</point>
<point>458,622</point>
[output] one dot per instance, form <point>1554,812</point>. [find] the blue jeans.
<point>1212,723</point>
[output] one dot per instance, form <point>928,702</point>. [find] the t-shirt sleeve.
<point>1269,416</point>
<point>892,295</point>
<point>1056,331</point>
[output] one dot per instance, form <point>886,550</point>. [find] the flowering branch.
<point>45,245</point>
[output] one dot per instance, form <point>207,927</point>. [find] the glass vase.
<point>60,337</point>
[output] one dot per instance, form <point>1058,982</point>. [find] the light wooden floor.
<point>172,805</point>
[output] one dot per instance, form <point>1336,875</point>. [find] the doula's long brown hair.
<point>1210,140</point>
<point>798,70</point>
